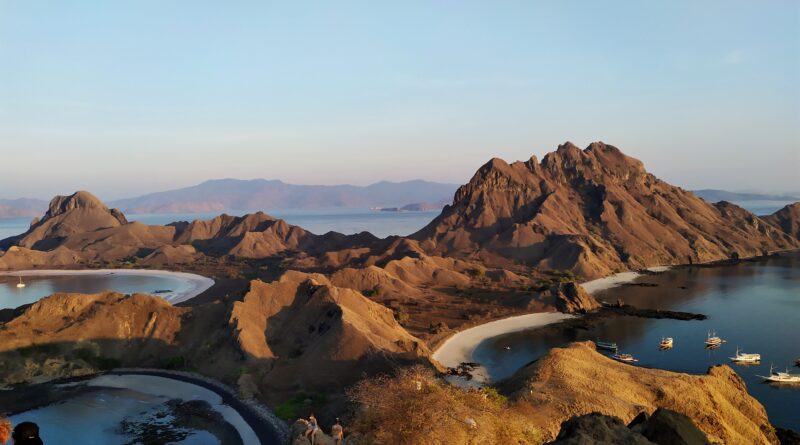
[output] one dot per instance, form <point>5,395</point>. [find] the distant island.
<point>416,207</point>
<point>227,195</point>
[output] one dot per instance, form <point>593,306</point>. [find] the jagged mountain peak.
<point>593,211</point>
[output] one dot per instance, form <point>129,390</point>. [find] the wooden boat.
<point>20,285</point>
<point>666,343</point>
<point>625,358</point>
<point>607,345</point>
<point>742,357</point>
<point>781,377</point>
<point>713,339</point>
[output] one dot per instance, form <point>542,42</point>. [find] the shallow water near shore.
<point>122,409</point>
<point>752,305</point>
<point>37,287</point>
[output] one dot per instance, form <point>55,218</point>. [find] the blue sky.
<point>123,98</point>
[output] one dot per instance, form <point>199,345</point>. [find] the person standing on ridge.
<point>313,427</point>
<point>337,432</point>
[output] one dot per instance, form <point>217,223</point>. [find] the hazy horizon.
<point>128,98</point>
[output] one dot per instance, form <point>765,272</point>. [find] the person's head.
<point>26,433</point>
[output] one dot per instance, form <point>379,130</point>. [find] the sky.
<point>127,97</point>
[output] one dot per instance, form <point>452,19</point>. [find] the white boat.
<point>781,377</point>
<point>713,339</point>
<point>745,358</point>
<point>666,343</point>
<point>20,285</point>
<point>608,345</point>
<point>625,358</point>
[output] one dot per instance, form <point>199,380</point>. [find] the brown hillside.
<point>591,211</point>
<point>786,219</point>
<point>318,334</point>
<point>578,380</point>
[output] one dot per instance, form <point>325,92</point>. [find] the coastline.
<point>460,347</point>
<point>251,419</point>
<point>197,284</point>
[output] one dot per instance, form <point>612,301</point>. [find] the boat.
<point>507,348</point>
<point>20,285</point>
<point>781,377</point>
<point>713,339</point>
<point>625,358</point>
<point>666,343</point>
<point>745,358</point>
<point>608,345</point>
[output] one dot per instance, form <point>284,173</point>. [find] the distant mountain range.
<point>714,195</point>
<point>226,195</point>
<point>222,195</point>
<point>22,208</point>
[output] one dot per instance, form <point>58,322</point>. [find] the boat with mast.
<point>21,284</point>
<point>780,377</point>
<point>713,340</point>
<point>742,357</point>
<point>607,345</point>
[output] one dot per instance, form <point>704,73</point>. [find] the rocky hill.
<point>786,219</point>
<point>592,211</point>
<point>565,383</point>
<point>303,330</point>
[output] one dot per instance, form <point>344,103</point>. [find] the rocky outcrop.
<point>786,219</point>
<point>565,382</point>
<point>68,215</point>
<point>570,297</point>
<point>664,427</point>
<point>591,211</point>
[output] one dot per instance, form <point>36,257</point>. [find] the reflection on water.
<point>38,287</point>
<point>755,306</point>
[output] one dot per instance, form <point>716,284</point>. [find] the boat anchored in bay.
<point>625,358</point>
<point>21,284</point>
<point>742,357</point>
<point>781,377</point>
<point>666,343</point>
<point>607,345</point>
<point>713,341</point>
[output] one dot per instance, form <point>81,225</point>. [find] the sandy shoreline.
<point>617,279</point>
<point>195,284</point>
<point>460,347</point>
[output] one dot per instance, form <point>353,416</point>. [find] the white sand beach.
<point>618,279</point>
<point>194,284</point>
<point>460,347</point>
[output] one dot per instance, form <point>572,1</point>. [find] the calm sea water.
<point>94,418</point>
<point>38,287</point>
<point>347,221</point>
<point>755,306</point>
